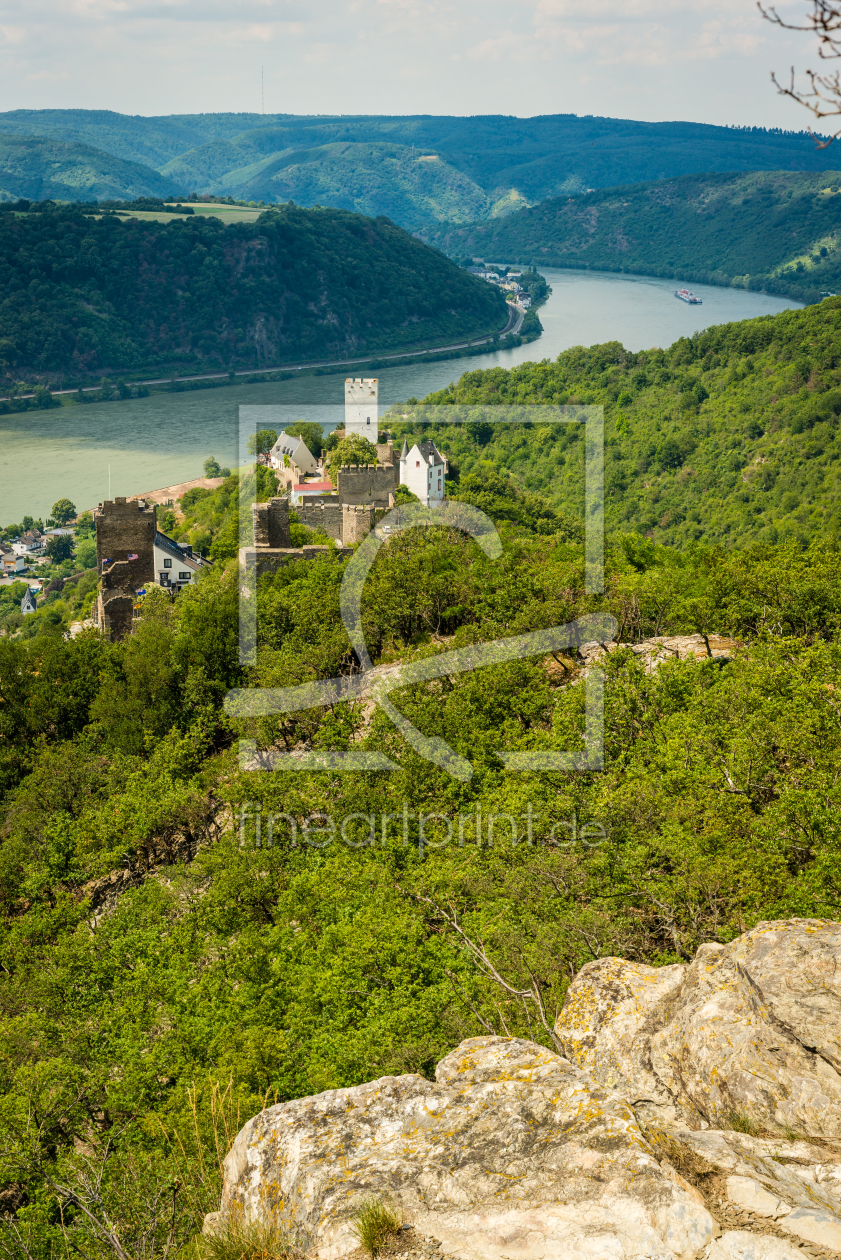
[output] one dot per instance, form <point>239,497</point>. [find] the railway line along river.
<point>164,439</point>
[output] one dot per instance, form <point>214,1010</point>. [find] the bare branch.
<point>480,958</point>
<point>823,96</point>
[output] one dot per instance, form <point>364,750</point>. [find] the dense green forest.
<point>184,939</point>
<point>481,166</point>
<point>774,231</point>
<point>728,437</point>
<point>38,167</point>
<point>82,296</point>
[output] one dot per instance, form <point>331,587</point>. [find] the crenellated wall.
<point>357,522</point>
<point>326,517</point>
<point>126,527</point>
<point>368,483</point>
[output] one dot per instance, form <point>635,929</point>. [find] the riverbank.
<point>521,328</point>
<point>165,438</point>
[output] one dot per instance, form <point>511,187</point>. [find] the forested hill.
<point>730,437</point>
<point>39,167</point>
<point>418,170</point>
<point>82,295</point>
<point>772,230</point>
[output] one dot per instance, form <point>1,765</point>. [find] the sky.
<point>701,60</point>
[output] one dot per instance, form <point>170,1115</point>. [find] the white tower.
<point>361,414</point>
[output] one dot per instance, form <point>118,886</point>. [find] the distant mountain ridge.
<point>773,230</point>
<point>418,170</point>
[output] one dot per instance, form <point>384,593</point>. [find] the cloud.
<point>650,59</point>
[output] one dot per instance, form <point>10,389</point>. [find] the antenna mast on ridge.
<point>262,91</point>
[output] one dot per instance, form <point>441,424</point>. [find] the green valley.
<point>775,231</point>
<point>417,169</point>
<point>39,168</point>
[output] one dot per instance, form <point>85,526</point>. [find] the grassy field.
<point>228,214</point>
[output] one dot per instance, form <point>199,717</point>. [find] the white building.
<point>29,544</point>
<point>10,561</point>
<point>293,452</point>
<point>361,415</point>
<point>423,471</point>
<point>175,566</point>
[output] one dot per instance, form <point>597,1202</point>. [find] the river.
<point>164,439</point>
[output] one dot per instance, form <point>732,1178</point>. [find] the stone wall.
<point>127,527</point>
<point>368,483</point>
<point>326,517</point>
<point>271,523</point>
<point>256,562</point>
<point>115,602</point>
<point>385,453</point>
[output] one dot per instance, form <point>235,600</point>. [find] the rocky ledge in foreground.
<point>624,1148</point>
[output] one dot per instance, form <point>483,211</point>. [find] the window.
<point>369,420</point>
<point>167,564</point>
<point>183,577</point>
<point>417,463</point>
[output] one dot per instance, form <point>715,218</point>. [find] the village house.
<point>28,604</point>
<point>176,566</point>
<point>32,543</point>
<point>309,490</point>
<point>291,459</point>
<point>10,561</point>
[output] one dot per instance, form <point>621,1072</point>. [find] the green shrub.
<point>741,1122</point>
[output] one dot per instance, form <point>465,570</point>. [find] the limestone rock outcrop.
<point>625,1149</point>
<point>751,1027</point>
<point>512,1152</point>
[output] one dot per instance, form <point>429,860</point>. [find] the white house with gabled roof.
<point>423,470</point>
<point>175,566</point>
<point>292,454</point>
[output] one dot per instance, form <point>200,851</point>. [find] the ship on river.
<point>686,296</point>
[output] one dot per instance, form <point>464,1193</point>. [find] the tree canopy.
<point>82,295</point>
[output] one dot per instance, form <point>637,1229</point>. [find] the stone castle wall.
<point>271,523</point>
<point>115,602</point>
<point>326,517</point>
<point>255,562</point>
<point>127,527</point>
<point>368,483</point>
<point>357,522</point>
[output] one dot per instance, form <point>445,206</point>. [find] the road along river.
<point>164,439</point>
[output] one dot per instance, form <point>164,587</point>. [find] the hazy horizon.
<point>647,60</point>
